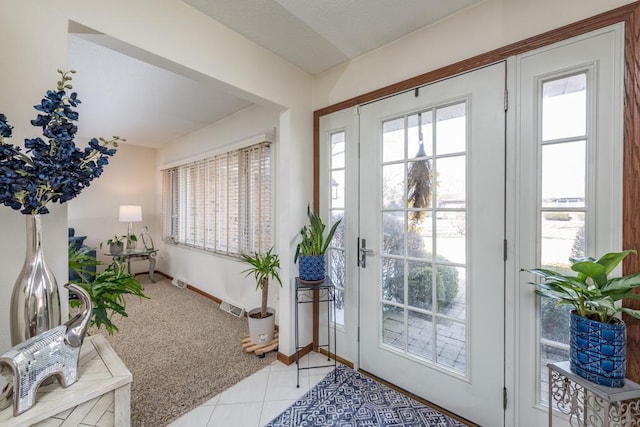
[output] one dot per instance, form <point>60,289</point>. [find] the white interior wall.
<point>486,26</point>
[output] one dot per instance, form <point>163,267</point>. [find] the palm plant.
<point>591,292</point>
<point>263,267</point>
<point>313,241</point>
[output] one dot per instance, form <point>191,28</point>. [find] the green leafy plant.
<point>106,289</point>
<point>591,292</point>
<point>313,241</point>
<point>119,240</point>
<point>263,267</point>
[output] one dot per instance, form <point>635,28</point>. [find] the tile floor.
<point>259,398</point>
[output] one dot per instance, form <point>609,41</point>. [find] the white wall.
<point>34,35</point>
<point>128,179</point>
<point>488,25</point>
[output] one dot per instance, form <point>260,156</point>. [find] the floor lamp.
<point>130,214</point>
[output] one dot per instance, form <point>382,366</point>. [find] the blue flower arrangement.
<point>54,170</point>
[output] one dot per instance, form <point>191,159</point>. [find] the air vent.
<point>233,309</point>
<point>179,282</point>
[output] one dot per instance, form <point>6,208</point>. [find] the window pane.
<point>450,293</point>
<point>451,189</point>
<point>393,140</point>
<point>393,186</point>
<point>414,137</point>
<point>337,189</point>
<point>562,236</point>
<point>337,150</point>
<point>451,236</point>
<point>564,174</point>
<point>393,332</point>
<point>392,233</point>
<point>420,335</point>
<point>420,285</point>
<point>393,280</point>
<point>450,344</point>
<point>451,129</point>
<point>564,107</point>
<point>419,235</point>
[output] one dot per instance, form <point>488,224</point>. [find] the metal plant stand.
<point>316,293</point>
<point>589,404</point>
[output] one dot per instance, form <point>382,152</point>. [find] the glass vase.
<point>35,301</point>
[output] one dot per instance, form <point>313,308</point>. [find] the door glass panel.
<point>393,326</point>
<point>393,238</point>
<point>393,280</point>
<point>564,107</point>
<point>393,140</point>
<point>423,281</point>
<point>451,236</point>
<point>563,174</point>
<point>451,129</point>
<point>419,235</point>
<point>451,344</point>
<point>393,186</point>
<point>414,137</point>
<point>336,204</point>
<point>420,335</point>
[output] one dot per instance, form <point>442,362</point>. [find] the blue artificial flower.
<point>55,169</point>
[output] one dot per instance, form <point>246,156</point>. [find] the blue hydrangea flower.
<point>53,169</point>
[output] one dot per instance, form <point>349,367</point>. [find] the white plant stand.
<point>101,396</point>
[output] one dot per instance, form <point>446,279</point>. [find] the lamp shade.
<point>130,213</point>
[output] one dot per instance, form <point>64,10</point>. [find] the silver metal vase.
<point>35,301</point>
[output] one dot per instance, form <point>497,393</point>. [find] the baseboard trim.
<point>289,360</point>
<point>337,358</point>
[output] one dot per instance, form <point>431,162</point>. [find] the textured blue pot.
<point>311,268</point>
<point>598,350</point>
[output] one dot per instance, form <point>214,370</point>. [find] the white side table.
<point>101,396</point>
<point>590,404</point>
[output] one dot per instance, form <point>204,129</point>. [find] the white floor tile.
<point>251,389</point>
<point>282,385</point>
<point>196,418</point>
<point>213,401</point>
<point>236,415</point>
<point>272,409</point>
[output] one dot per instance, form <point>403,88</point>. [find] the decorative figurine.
<point>55,352</point>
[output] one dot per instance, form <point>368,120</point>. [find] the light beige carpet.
<point>181,349</point>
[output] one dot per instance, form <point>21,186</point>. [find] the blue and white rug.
<point>357,400</point>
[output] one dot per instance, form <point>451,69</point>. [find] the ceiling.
<point>150,105</point>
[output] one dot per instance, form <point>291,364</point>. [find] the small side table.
<point>590,404</point>
<point>316,293</point>
<point>100,397</point>
<point>137,254</point>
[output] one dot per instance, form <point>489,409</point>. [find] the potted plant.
<point>116,244</point>
<point>106,289</point>
<point>262,320</point>
<point>312,247</point>
<point>598,336</point>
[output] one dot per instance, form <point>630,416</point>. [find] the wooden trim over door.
<point>630,15</point>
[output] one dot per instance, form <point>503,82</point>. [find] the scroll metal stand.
<point>316,293</point>
<point>589,404</point>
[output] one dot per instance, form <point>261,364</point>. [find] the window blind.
<point>220,203</point>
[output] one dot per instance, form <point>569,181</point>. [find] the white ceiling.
<point>150,105</point>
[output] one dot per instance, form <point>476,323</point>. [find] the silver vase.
<point>35,301</point>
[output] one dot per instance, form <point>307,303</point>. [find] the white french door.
<point>432,212</point>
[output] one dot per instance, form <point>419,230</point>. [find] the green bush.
<point>420,285</point>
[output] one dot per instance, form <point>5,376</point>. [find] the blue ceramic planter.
<point>598,350</point>
<point>311,268</point>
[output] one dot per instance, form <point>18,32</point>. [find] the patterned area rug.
<point>353,399</point>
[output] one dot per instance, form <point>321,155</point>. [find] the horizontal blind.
<point>221,203</point>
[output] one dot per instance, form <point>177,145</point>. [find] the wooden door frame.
<point>630,15</point>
